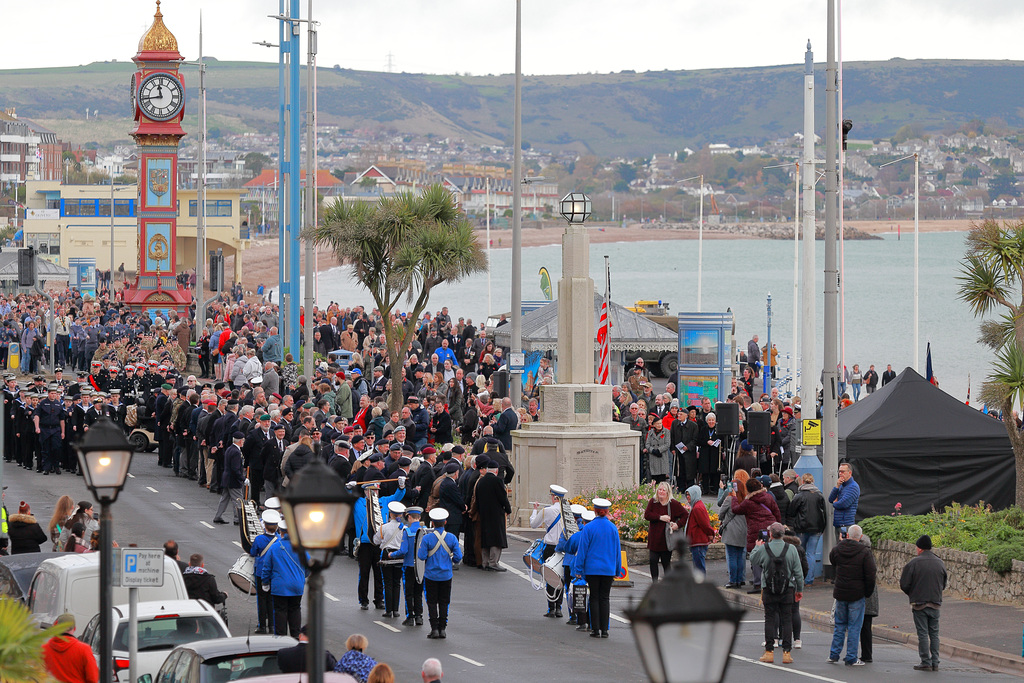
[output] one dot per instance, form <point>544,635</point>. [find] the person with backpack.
<point>782,585</point>
<point>855,581</point>
<point>807,518</point>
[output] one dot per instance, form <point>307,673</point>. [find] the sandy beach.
<point>260,260</point>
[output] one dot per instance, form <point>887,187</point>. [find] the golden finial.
<point>158,38</point>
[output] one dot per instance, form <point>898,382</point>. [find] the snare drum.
<point>534,559</point>
<point>243,574</point>
<point>552,570</point>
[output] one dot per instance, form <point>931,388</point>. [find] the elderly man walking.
<point>923,580</point>
<point>855,580</point>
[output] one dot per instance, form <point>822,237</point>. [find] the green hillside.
<point>606,114</point>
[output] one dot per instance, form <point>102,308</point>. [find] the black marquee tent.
<point>912,443</point>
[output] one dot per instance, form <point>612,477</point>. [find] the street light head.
<point>684,629</point>
<point>575,207</point>
<point>105,455</point>
<point>316,508</point>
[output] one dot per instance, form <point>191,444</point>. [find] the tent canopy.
<point>630,331</point>
<point>912,443</point>
<point>46,271</point>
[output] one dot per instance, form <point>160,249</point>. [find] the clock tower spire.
<point>158,107</point>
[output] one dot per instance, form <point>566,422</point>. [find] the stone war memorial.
<point>576,444</point>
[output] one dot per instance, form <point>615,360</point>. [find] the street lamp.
<point>917,197</point>
<point>316,508</point>
<point>684,628</point>
<point>104,455</point>
<point>575,207</point>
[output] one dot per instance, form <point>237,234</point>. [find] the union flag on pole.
<point>603,332</point>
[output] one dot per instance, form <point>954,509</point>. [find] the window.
<point>214,207</point>
<point>122,207</point>
<point>165,633</point>
<point>97,207</point>
<point>42,595</point>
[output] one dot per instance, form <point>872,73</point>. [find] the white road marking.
<point>131,475</point>
<point>388,627</point>
<point>521,575</point>
<point>150,488</point>
<point>795,672</point>
<point>330,597</point>
<point>206,524</point>
<point>641,572</point>
<point>752,621</point>
<point>177,506</point>
<point>237,543</point>
<point>466,659</point>
<point>616,617</point>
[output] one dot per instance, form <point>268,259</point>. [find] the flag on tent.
<point>929,375</point>
<point>603,332</point>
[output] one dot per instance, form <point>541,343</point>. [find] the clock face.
<point>161,97</point>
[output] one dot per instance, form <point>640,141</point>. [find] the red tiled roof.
<point>267,178</point>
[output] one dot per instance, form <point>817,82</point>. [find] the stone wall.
<point>968,573</point>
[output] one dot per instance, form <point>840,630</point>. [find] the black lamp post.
<point>684,628</point>
<point>104,455</point>
<point>316,507</point>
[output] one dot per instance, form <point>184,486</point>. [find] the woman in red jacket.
<point>698,528</point>
<point>662,510</point>
<point>761,510</point>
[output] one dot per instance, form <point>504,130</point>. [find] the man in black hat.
<point>49,422</point>
<point>450,498</point>
<point>923,580</point>
<point>232,479</point>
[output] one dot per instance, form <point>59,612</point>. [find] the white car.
<point>162,626</point>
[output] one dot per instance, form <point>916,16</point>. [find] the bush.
<point>998,534</point>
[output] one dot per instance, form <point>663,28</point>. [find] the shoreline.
<point>260,260</point>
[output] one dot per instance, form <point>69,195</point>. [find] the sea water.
<point>739,274</point>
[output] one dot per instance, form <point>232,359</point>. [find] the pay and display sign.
<point>139,567</point>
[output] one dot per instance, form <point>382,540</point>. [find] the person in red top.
<point>698,528</point>
<point>68,659</point>
<point>662,510</point>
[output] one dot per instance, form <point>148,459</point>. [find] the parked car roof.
<point>154,608</point>
<point>16,572</point>
<point>223,647</point>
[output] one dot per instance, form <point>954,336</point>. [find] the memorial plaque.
<point>588,470</point>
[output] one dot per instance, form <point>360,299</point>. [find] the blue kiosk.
<point>705,357</point>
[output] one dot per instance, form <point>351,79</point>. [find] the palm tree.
<point>21,644</point>
<point>992,282</point>
<point>402,246</point>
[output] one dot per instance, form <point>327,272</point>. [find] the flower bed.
<point>998,534</point>
<point>627,511</point>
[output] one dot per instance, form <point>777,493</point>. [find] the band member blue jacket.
<point>282,571</point>
<point>599,552</point>
<point>407,551</point>
<point>362,526</point>
<point>568,548</point>
<point>438,567</point>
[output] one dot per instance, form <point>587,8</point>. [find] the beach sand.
<point>260,260</point>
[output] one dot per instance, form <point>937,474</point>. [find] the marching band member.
<point>264,603</point>
<point>369,554</point>
<point>439,550</point>
<point>389,538</point>
<point>413,588</point>
<point>567,546</point>
<point>550,518</point>
<point>599,560</point>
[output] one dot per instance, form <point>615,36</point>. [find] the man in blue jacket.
<point>284,578</point>
<point>369,554</point>
<point>599,559</point>
<point>440,550</point>
<point>567,546</point>
<point>844,498</point>
<point>413,589</point>
<point>264,603</point>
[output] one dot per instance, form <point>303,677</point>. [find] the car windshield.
<point>165,633</point>
<point>240,666</point>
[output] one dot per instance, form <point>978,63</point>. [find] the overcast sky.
<point>559,36</point>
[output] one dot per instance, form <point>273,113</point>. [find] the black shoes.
<point>220,521</point>
<point>261,631</point>
<point>363,606</point>
<point>498,569</point>
<point>926,667</point>
<point>419,621</point>
<point>441,634</point>
<point>549,614</point>
<point>595,634</point>
<point>409,622</point>
<point>558,613</point>
<point>434,634</point>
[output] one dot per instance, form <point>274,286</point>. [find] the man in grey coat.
<point>923,580</point>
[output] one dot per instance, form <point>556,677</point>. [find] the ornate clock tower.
<point>158,106</point>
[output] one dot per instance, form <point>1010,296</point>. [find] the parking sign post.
<point>136,568</point>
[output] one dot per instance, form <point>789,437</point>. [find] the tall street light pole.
<point>516,383</point>
<point>307,328</point>
<point>808,366</point>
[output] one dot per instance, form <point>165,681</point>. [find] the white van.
<point>71,583</point>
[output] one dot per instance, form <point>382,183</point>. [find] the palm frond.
<point>996,334</point>
<point>1008,373</point>
<point>21,644</point>
<point>982,284</point>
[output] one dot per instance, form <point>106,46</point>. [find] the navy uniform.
<point>72,433</point>
<point>440,551</point>
<point>24,429</point>
<point>10,399</point>
<point>599,560</point>
<point>550,518</point>
<point>116,410</point>
<point>413,589</point>
<point>49,424</point>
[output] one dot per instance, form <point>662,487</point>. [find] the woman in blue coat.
<point>599,559</point>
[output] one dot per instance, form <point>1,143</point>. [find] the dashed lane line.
<point>153,490</point>
<point>206,524</point>
<point>789,670</point>
<point>520,574</point>
<point>330,597</point>
<point>616,617</point>
<point>466,659</point>
<point>177,506</point>
<point>238,543</point>
<point>131,475</point>
<point>388,627</point>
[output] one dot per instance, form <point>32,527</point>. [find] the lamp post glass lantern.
<point>575,207</point>
<point>684,628</point>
